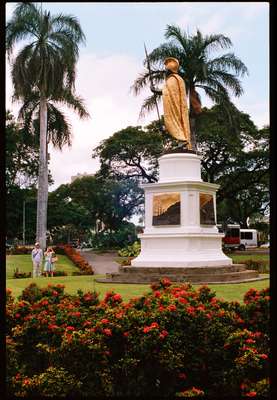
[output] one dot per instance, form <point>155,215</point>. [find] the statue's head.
<point>171,64</point>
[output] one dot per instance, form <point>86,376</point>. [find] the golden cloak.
<point>175,108</point>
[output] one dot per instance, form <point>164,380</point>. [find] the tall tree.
<point>46,66</point>
<point>216,77</point>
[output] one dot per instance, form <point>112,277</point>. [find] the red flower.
<point>163,334</point>
<point>17,315</point>
<point>250,341</point>
<point>117,297</point>
<point>182,376</point>
<point>55,293</point>
<point>190,310</point>
<point>264,356</point>
<point>243,386</point>
<point>182,300</point>
<point>76,314</point>
<point>172,307</point>
<point>126,334</point>
<point>157,293</point>
<point>166,282</point>
<point>52,326</point>
<point>107,332</point>
<point>152,326</point>
<point>87,297</point>
<point>87,323</point>
<point>104,321</point>
<point>70,328</point>
<point>26,382</point>
<point>251,394</point>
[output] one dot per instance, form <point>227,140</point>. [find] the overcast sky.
<point>112,59</point>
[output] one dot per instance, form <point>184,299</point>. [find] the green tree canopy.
<point>131,153</point>
<point>21,156</point>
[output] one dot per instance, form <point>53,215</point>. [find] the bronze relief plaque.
<point>207,215</point>
<point>166,209</point>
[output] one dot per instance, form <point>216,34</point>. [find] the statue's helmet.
<point>172,64</point>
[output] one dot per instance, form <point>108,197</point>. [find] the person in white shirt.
<point>37,256</point>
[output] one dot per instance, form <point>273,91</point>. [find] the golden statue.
<point>176,117</point>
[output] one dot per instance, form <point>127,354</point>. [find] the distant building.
<point>78,176</point>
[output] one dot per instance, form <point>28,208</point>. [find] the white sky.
<point>112,60</point>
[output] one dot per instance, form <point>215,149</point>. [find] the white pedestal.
<point>188,243</point>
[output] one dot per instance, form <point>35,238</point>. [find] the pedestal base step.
<point>235,273</point>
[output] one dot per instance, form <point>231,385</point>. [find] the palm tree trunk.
<point>192,130</point>
<point>42,195</point>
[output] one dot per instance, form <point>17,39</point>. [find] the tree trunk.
<point>192,131</point>
<point>42,195</point>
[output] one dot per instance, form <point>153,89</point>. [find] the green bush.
<point>259,265</point>
<point>56,273</point>
<point>131,250</point>
<point>125,235</point>
<point>18,275</point>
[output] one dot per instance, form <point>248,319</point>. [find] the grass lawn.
<point>239,258</point>
<point>72,283</point>
<point>24,264</point>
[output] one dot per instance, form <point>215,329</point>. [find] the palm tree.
<point>45,66</point>
<point>58,127</point>
<point>199,71</point>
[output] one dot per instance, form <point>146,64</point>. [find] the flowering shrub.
<point>77,259</point>
<point>18,250</point>
<point>173,341</point>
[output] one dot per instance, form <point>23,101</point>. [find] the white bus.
<point>249,237</point>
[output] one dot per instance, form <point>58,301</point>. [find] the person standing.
<point>37,256</point>
<point>49,261</point>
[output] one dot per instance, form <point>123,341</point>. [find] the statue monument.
<point>175,103</point>
<point>181,240</point>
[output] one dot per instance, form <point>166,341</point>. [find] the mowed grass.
<point>228,292</point>
<point>24,264</point>
<point>240,258</point>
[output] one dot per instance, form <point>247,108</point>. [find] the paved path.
<point>101,263</point>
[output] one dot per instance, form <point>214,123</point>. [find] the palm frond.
<point>61,21</point>
<point>213,42</point>
<point>148,105</point>
<point>228,80</point>
<point>158,55</point>
<point>174,32</point>
<point>228,61</point>
<point>67,98</point>
<point>58,128</point>
<point>143,80</point>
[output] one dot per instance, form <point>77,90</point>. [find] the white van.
<point>249,237</point>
